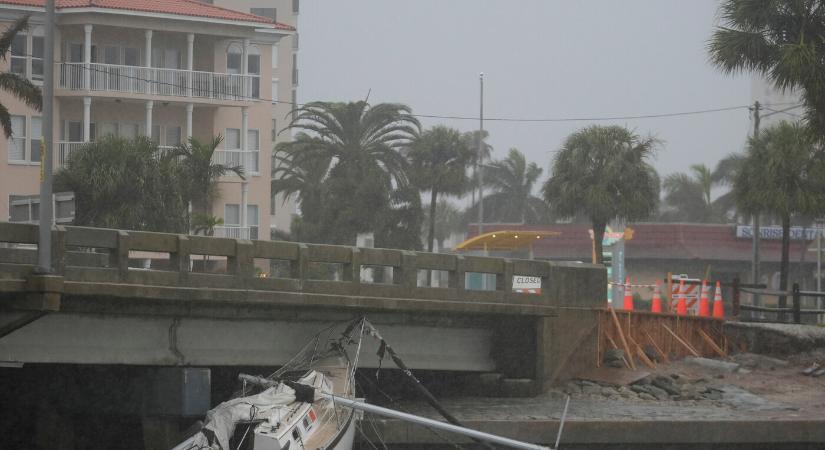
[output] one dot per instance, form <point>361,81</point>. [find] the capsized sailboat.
<point>315,409</point>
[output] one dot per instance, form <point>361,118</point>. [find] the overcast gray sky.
<point>541,59</point>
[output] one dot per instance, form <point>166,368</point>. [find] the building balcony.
<point>156,81</point>
<point>246,159</point>
<point>232,232</point>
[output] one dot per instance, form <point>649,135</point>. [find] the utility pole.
<point>755,228</point>
<point>44,243</point>
<point>479,165</point>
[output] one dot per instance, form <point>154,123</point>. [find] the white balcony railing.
<point>158,81</point>
<point>233,232</point>
<point>247,159</point>
<point>64,150</point>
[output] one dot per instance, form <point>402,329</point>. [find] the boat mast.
<point>430,423</point>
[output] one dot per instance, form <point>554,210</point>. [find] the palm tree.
<point>18,86</point>
<point>688,196</point>
<point>438,163</point>
<point>782,173</point>
<point>512,180</point>
<point>781,40</point>
<point>363,146</point>
<point>123,184</point>
<point>201,173</point>
<point>603,173</point>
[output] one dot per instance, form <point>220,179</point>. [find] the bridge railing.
<point>96,255</point>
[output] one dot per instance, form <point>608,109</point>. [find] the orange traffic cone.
<point>704,303</point>
<point>681,305</point>
<point>718,308</point>
<point>656,306</point>
<point>628,295</point>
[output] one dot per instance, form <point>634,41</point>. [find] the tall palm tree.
<point>782,173</point>
<point>356,136</point>
<point>438,163</point>
<point>782,40</point>
<point>12,83</point>
<point>512,181</point>
<point>688,196</point>
<point>201,173</point>
<point>603,172</point>
<point>363,145</point>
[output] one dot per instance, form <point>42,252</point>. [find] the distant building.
<point>679,248</point>
<point>167,70</point>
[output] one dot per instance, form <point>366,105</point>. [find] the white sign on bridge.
<point>527,285</point>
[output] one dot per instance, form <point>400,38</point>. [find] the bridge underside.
<point>163,341</point>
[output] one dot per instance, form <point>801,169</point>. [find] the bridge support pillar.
<point>565,345</point>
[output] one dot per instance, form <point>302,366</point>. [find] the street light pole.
<point>44,243</point>
<point>479,161</point>
<point>755,228</point>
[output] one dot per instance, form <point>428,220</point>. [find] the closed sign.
<point>527,285</point>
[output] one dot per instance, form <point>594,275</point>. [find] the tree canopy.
<point>604,173</point>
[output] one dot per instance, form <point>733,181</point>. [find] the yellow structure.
<point>505,240</point>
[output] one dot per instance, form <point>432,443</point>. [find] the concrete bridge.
<point>100,307</point>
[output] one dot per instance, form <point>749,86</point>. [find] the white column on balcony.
<point>190,59</point>
<point>244,203</point>
<point>149,106</point>
<point>87,119</point>
<point>189,108</point>
<point>87,56</point>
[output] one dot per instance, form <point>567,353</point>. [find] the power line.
<point>588,119</point>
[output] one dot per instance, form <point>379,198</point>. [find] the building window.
<point>253,144</point>
<point>233,139</point>
<point>271,13</point>
<point>274,58</point>
<point>34,140</point>
<point>274,90</point>
<point>254,68</point>
<point>294,69</point>
<point>173,136</point>
<point>26,208</point>
<point>252,220</point>
<point>38,51</point>
<point>234,59</point>
<point>295,6</point>
<point>17,143</point>
<point>19,54</point>
<point>232,215</point>
<point>27,54</point>
<point>274,131</point>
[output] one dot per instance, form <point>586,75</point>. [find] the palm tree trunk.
<point>431,236</point>
<point>598,237</point>
<point>783,264</point>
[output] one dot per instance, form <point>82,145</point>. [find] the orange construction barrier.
<point>681,305</point>
<point>628,295</point>
<point>718,308</point>
<point>704,302</point>
<point>656,306</point>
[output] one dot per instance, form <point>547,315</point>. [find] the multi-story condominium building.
<point>168,70</point>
